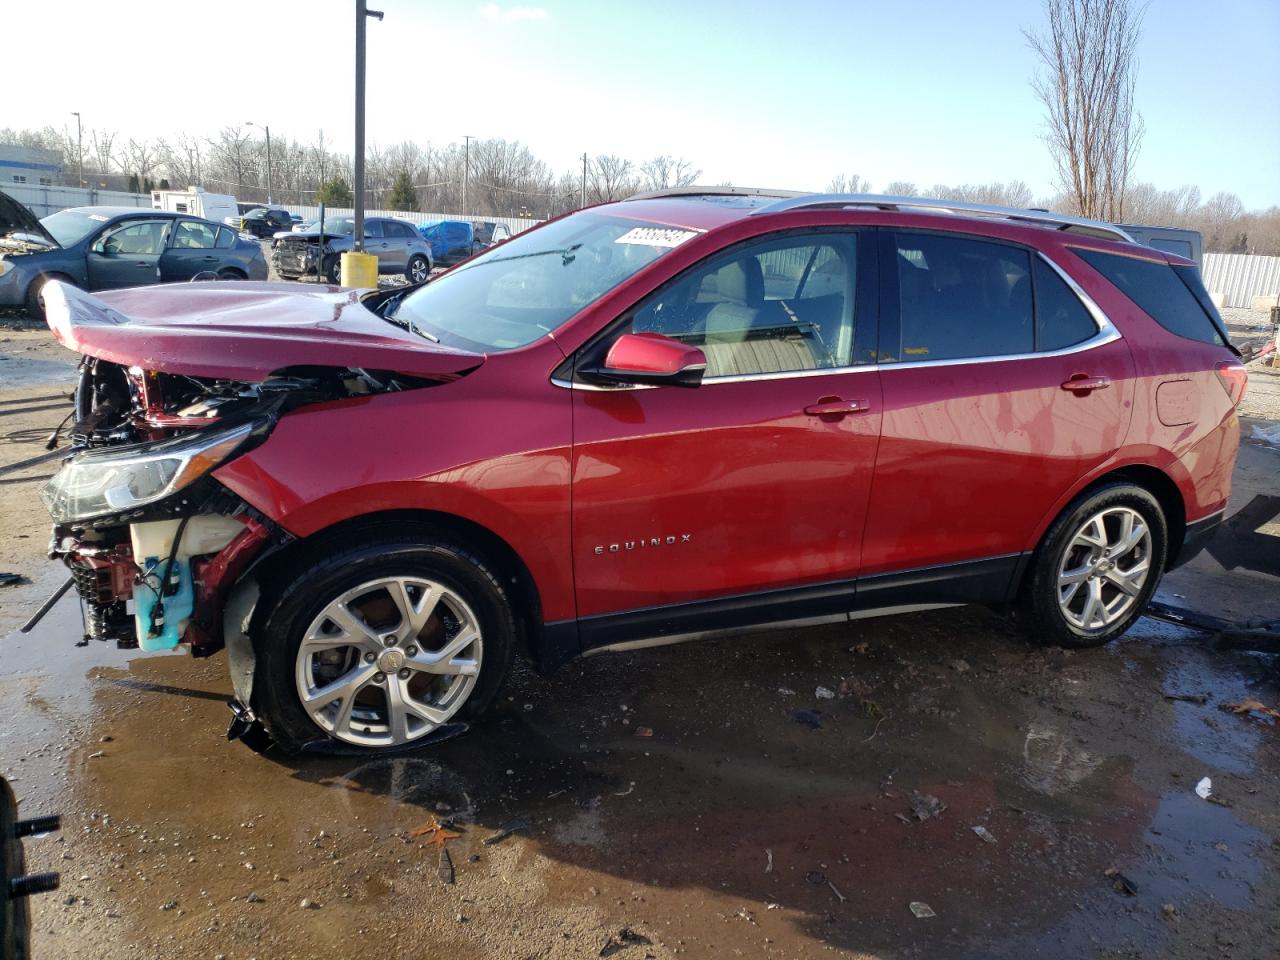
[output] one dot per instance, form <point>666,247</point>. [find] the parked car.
<point>638,423</point>
<point>264,221</point>
<point>453,241</point>
<point>1177,240</point>
<point>102,248</point>
<point>396,244</point>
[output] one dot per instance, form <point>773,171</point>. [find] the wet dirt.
<point>733,830</point>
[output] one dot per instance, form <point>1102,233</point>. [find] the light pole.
<point>79,147</point>
<point>362,13</point>
<point>267,130</point>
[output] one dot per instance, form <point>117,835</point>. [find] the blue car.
<point>452,241</point>
<point>105,248</point>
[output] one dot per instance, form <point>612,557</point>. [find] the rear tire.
<point>408,600</point>
<point>1096,568</point>
<point>229,274</point>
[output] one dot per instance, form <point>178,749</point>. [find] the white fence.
<point>311,212</point>
<point>43,201</point>
<point>1240,277</point>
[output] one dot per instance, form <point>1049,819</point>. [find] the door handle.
<point>836,408</point>
<point>1082,384</point>
<point>143,264</point>
<point>210,259</point>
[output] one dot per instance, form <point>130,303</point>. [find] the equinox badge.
<point>643,544</point>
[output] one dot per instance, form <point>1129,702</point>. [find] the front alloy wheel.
<point>389,661</point>
<point>379,644</point>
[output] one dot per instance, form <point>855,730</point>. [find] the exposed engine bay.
<point>152,542</point>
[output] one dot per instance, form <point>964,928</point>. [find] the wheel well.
<point>1161,486</point>
<point>491,548</point>
<point>233,270</point>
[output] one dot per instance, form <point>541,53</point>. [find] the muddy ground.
<point>733,830</point>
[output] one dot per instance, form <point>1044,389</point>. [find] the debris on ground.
<point>816,877</point>
<point>768,867</point>
<point>435,833</point>
<point>786,692</point>
<point>747,915</point>
<point>1204,788</point>
<point>960,666</point>
<point>445,868</point>
<point>631,788</point>
<point>925,805</point>
<point>308,904</point>
<point>1199,698</point>
<point>1249,707</point>
<point>985,834</point>
<point>1170,911</point>
<point>11,579</point>
<point>824,693</point>
<point>506,830</point>
<point>921,910</point>
<point>860,648</point>
<point>839,896</point>
<point>624,938</point>
<point>810,718</point>
<point>644,731</point>
<point>254,898</point>
<point>1120,883</point>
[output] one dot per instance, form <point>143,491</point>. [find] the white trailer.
<point>198,203</point>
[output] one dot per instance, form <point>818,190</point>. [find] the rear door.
<point>979,342</point>
<point>749,490</point>
<point>127,253</point>
<point>192,251</point>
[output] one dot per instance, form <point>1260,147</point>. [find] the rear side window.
<point>1158,291</point>
<point>962,298</point>
<point>1062,320</point>
<point>226,238</point>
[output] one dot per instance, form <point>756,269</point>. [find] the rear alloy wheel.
<point>1097,567</point>
<point>382,645</point>
<point>35,293</point>
<point>419,269</point>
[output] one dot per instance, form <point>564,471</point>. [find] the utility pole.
<point>268,132</point>
<point>362,13</point>
<point>584,181</point>
<point>466,174</point>
<point>79,146</point>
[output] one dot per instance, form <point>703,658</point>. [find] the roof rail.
<point>1060,221</point>
<point>715,192</point>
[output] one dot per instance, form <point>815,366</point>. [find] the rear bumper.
<point>1197,537</point>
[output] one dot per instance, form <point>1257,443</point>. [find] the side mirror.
<point>651,358</point>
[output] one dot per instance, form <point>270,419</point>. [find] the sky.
<point>778,94</point>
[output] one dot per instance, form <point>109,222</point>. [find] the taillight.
<point>1234,379</point>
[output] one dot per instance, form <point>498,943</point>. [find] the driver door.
<point>127,254</point>
<point>743,498</point>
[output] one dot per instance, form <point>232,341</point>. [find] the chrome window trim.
<point>1107,333</point>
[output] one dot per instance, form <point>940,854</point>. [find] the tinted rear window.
<point>1159,292</point>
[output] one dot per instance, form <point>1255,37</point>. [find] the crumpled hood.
<point>16,217</point>
<point>241,331</point>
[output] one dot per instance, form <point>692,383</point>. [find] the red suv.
<point>682,413</point>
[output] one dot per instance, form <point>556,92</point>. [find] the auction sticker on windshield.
<point>656,236</point>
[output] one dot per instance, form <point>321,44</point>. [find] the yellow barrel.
<point>358,269</point>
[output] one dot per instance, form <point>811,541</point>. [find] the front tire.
<point>1097,567</point>
<point>379,645</point>
<point>333,270</point>
<point>418,270</point>
<point>35,293</point>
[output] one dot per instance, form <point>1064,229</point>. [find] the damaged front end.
<point>300,255</point>
<point>153,542</point>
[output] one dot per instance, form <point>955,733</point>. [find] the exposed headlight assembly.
<point>102,482</point>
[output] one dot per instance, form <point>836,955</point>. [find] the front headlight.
<point>101,482</point>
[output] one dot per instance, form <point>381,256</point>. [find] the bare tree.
<point>1088,55</point>
<point>666,172</point>
<point>610,177</point>
<point>102,144</point>
<point>138,157</point>
<point>902,188</point>
<point>851,183</point>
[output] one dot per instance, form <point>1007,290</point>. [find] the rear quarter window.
<point>1160,293</point>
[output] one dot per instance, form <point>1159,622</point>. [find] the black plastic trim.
<point>990,580</point>
<point>1196,538</point>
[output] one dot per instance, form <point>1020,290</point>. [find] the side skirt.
<point>975,581</point>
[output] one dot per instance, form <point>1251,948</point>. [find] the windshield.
<point>515,293</point>
<point>71,226</point>
<point>342,226</point>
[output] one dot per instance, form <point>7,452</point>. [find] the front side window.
<point>960,297</point>
<point>780,305</point>
<point>136,238</point>
<point>193,235</point>
<point>511,295</point>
